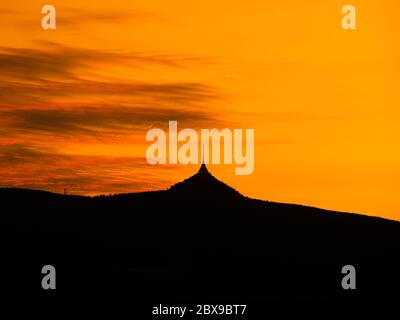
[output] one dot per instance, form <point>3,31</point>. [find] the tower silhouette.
<point>203,169</point>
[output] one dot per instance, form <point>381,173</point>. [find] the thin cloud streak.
<point>163,93</point>
<point>55,60</point>
<point>78,174</point>
<point>98,120</point>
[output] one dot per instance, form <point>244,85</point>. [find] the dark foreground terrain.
<point>198,241</point>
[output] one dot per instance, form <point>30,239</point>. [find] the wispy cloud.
<point>136,94</point>
<point>98,121</point>
<point>74,16</point>
<point>78,174</point>
<point>57,61</point>
<point>54,96</point>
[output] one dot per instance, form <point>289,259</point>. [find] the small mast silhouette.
<point>203,169</point>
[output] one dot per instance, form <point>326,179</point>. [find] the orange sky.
<point>76,102</point>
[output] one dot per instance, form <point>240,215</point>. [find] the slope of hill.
<point>200,239</point>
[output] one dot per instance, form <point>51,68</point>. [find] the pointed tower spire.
<point>203,169</point>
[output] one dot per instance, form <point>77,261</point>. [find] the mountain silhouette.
<point>199,240</point>
<point>204,184</point>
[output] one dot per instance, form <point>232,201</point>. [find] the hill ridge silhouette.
<point>202,185</point>
<point>198,240</point>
